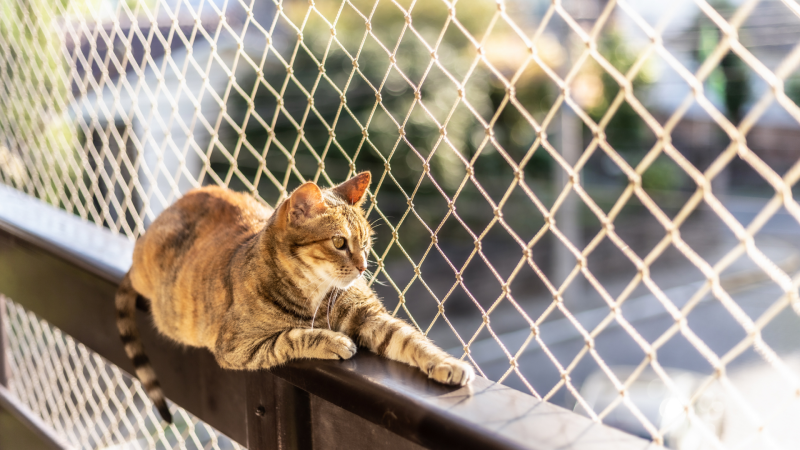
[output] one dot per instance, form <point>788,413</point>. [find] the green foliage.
<point>483,95</point>
<point>662,175</point>
<point>792,88</point>
<point>35,91</point>
<point>730,80</point>
<point>273,134</point>
<point>626,131</point>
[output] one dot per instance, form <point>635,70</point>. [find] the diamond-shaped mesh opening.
<point>607,178</point>
<point>534,90</point>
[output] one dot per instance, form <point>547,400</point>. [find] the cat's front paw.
<point>338,346</point>
<point>451,371</point>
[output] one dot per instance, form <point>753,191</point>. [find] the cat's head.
<point>326,231</point>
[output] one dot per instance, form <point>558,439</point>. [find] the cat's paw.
<point>451,371</point>
<point>338,346</point>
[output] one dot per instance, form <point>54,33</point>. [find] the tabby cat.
<point>260,287</point>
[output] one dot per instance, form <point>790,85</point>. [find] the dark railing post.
<point>278,414</point>
<point>262,421</point>
<point>4,370</point>
<point>294,416</point>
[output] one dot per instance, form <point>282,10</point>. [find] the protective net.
<point>590,201</point>
<point>86,399</point>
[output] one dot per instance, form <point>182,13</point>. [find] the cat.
<point>253,284</point>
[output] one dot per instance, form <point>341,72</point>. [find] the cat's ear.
<point>353,190</point>
<point>305,203</point>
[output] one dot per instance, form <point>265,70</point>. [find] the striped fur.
<point>259,287</point>
<point>126,324</point>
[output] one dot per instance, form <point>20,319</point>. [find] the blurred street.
<point>709,320</point>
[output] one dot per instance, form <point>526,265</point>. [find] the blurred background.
<point>503,139</point>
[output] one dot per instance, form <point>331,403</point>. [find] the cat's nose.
<point>361,268</point>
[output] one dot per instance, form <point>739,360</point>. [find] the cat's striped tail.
<point>128,331</point>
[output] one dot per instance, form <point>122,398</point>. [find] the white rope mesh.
<point>89,401</point>
<point>112,110</point>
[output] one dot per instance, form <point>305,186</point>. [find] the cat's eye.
<point>339,242</point>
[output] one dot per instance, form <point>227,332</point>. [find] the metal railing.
<point>523,157</point>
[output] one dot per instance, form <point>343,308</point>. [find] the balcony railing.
<point>590,201</point>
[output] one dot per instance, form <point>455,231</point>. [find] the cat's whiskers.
<point>371,277</point>
<point>314,316</point>
<point>331,282</point>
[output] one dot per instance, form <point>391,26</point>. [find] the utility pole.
<point>568,215</point>
<point>571,146</point>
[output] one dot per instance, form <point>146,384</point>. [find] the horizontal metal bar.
<point>39,242</point>
<point>31,420</point>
